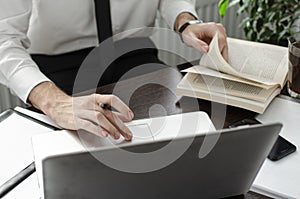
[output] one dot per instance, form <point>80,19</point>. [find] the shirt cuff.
<point>176,8</point>
<point>24,80</point>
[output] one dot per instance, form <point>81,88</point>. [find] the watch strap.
<point>185,25</point>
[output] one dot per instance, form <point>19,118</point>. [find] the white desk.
<point>281,179</point>
<point>15,144</point>
<point>276,179</point>
<point>29,188</point>
<point>16,152</point>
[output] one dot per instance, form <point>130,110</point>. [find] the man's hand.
<point>199,36</point>
<point>76,113</point>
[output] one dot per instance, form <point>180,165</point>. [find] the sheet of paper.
<point>213,73</point>
<point>281,179</point>
<point>228,87</point>
<point>38,116</point>
<point>187,87</point>
<point>251,60</point>
<point>214,60</point>
<point>15,144</point>
<point>263,62</point>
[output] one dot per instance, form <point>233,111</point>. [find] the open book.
<point>254,75</point>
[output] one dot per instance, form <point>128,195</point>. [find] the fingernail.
<point>104,133</point>
<point>116,135</point>
<point>128,136</point>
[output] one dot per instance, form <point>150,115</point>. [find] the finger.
<point>208,31</point>
<point>201,46</point>
<point>122,117</point>
<point>192,38</point>
<point>222,29</point>
<point>197,43</point>
<point>106,123</point>
<point>110,122</point>
<point>205,32</point>
<point>223,47</point>
<point>117,122</point>
<point>116,103</point>
<point>100,119</point>
<point>223,41</point>
<point>92,128</point>
<point>225,53</point>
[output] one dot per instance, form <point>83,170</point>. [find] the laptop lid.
<point>228,169</point>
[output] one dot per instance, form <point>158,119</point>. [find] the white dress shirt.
<point>59,26</point>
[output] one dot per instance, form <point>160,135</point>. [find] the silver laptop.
<point>229,169</point>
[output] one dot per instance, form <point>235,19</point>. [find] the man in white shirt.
<point>52,28</point>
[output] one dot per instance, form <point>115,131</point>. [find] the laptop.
<point>228,169</point>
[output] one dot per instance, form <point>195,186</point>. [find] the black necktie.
<point>106,52</point>
<point>103,19</point>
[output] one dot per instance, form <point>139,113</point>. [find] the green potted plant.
<point>268,21</point>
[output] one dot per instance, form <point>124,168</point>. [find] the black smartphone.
<point>281,148</point>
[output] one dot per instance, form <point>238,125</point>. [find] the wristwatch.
<point>185,25</point>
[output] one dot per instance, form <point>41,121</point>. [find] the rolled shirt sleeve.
<point>170,9</point>
<point>17,70</point>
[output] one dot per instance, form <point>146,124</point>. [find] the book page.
<point>228,87</point>
<point>214,60</point>
<point>184,88</point>
<point>264,63</point>
<point>258,61</point>
<point>213,73</point>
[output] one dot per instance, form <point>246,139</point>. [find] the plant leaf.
<point>223,7</point>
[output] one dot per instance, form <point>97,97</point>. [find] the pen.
<point>17,179</point>
<point>105,106</point>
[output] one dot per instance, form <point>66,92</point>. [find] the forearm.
<point>46,96</point>
<point>83,112</point>
<point>182,19</point>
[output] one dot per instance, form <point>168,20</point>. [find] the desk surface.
<point>154,95</point>
<point>280,179</point>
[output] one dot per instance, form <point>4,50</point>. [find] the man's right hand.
<point>84,112</point>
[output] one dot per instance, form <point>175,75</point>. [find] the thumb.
<point>193,41</point>
<point>200,45</point>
